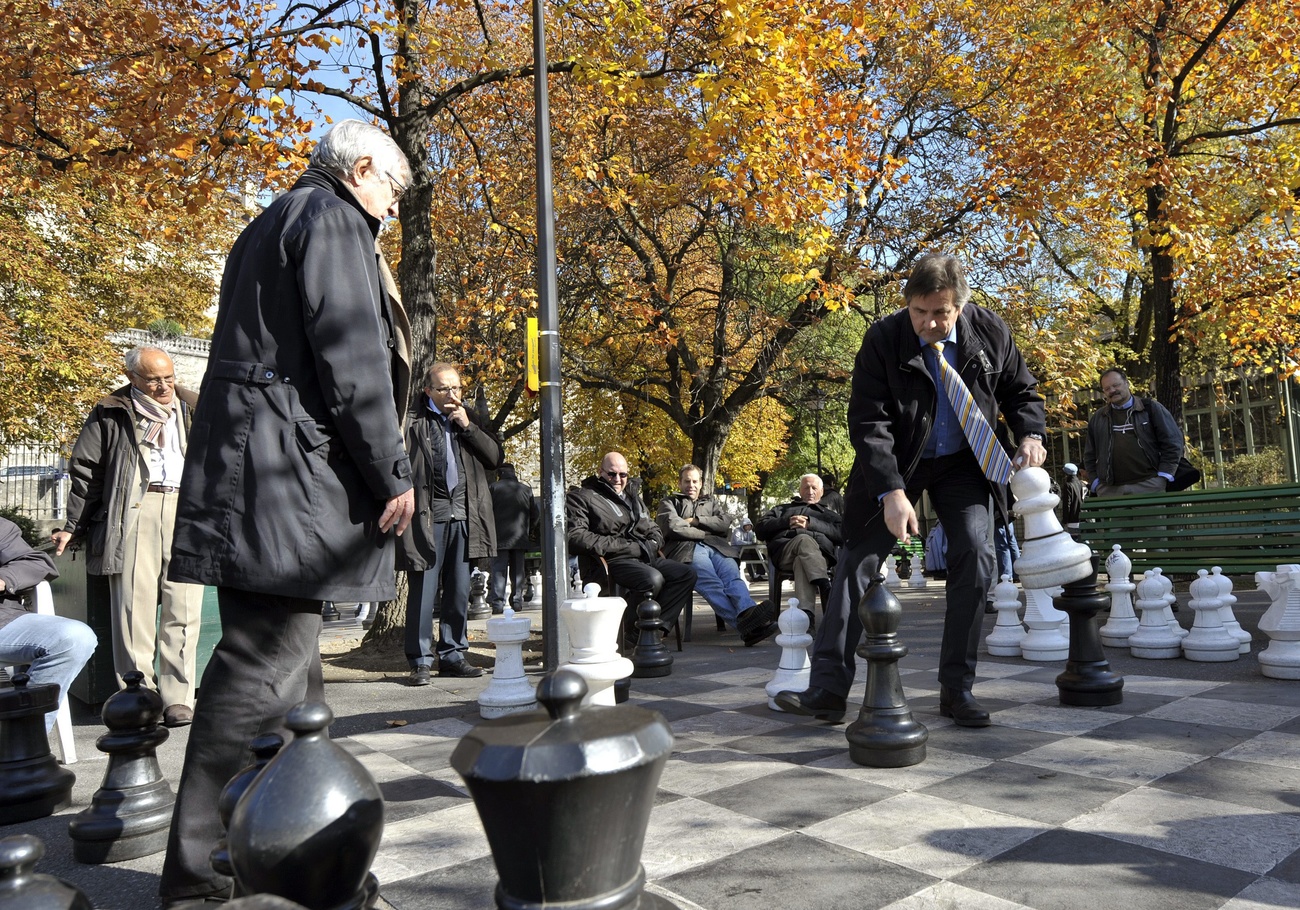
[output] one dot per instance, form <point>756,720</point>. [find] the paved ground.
<point>1185,796</point>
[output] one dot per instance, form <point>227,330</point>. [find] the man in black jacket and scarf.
<point>605,521</point>
<point>908,438</point>
<point>450,459</point>
<point>296,471</point>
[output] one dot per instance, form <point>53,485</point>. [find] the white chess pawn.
<point>1208,640</point>
<point>1167,592</point>
<point>1004,638</point>
<point>891,572</point>
<point>1046,639</point>
<point>508,692</point>
<point>917,578</point>
<point>593,623</point>
<point>1153,640</point>
<point>793,673</point>
<point>1226,600</point>
<point>1049,556</point>
<point>1281,622</point>
<point>1122,621</point>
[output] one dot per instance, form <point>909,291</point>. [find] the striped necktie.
<point>988,451</point>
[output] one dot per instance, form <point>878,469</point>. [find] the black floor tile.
<point>799,797</point>
<point>1268,787</point>
<point>1028,792</point>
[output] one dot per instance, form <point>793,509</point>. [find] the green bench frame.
<point>1242,529</point>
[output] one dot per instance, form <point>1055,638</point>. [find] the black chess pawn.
<point>587,778</point>
<point>264,748</point>
<point>309,825</point>
<point>32,784</point>
<point>1087,681</point>
<point>885,735</point>
<point>329,612</point>
<point>478,608</point>
<point>23,888</point>
<point>650,657</point>
<point>131,812</point>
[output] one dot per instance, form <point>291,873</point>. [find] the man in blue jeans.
<point>695,530</point>
<point>55,647</point>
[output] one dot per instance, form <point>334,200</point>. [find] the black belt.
<point>162,488</point>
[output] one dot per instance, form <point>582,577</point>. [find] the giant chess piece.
<point>1044,638</point>
<point>477,607</point>
<point>891,570</point>
<point>650,657</point>
<point>1226,615</point>
<point>1208,640</point>
<point>1153,640</point>
<point>885,735</point>
<point>1048,555</point>
<point>1281,622</point>
<point>1004,639</point>
<point>264,748</point>
<point>594,624</point>
<point>32,785</point>
<point>1171,601</point>
<point>1123,622</point>
<point>508,692</point>
<point>532,599</point>
<point>1087,681</point>
<point>309,825</point>
<point>131,812</point>
<point>793,673</point>
<point>23,888</point>
<point>917,578</point>
<point>565,799</point>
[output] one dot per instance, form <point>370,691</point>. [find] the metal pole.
<point>555,562</point>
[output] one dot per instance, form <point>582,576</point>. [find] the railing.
<point>34,481</point>
<point>176,344</point>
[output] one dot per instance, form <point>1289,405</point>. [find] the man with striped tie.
<point>928,385</point>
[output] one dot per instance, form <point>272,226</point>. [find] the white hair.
<point>348,141</point>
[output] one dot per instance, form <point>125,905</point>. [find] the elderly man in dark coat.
<point>516,512</point>
<point>451,456</point>
<point>908,438</point>
<point>296,471</point>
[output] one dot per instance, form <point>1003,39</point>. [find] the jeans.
<point>718,580</point>
<point>1007,549</point>
<point>56,648</point>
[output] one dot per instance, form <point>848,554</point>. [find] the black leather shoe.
<point>961,706</point>
<point>462,669</point>
<point>760,635</point>
<point>813,702</point>
<point>420,676</point>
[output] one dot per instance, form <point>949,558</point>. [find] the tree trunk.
<point>1166,356</point>
<point>388,631</point>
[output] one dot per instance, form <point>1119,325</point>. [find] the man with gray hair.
<point>125,477</point>
<point>297,477</point>
<point>802,537</point>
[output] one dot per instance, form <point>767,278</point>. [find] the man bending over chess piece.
<point>916,369</point>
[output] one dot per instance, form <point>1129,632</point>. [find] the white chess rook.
<point>593,623</point>
<point>1122,621</point>
<point>1281,622</point>
<point>508,692</point>
<point>1226,600</point>
<point>1153,640</point>
<point>793,673</point>
<point>1208,640</point>
<point>1004,639</point>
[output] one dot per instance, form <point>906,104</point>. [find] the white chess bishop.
<point>1048,555</point>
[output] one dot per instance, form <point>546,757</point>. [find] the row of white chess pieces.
<point>1215,635</point>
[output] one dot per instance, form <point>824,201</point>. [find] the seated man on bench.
<point>693,526</point>
<point>605,522</point>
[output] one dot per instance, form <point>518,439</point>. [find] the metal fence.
<point>34,481</point>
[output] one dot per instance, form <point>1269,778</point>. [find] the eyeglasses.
<point>616,475</point>
<point>398,188</point>
<point>156,382</point>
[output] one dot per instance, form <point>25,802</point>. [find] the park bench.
<point>1243,529</point>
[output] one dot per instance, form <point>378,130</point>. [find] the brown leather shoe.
<point>178,716</point>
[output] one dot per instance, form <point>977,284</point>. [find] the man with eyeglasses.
<point>125,473</point>
<point>1133,444</point>
<point>454,524</point>
<point>605,521</point>
<point>297,481</point>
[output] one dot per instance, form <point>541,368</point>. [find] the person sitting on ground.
<point>55,648</point>
<point>802,536</point>
<point>606,522</point>
<point>693,524</point>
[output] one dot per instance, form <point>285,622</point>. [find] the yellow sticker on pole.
<point>532,382</point>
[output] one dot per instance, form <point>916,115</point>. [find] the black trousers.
<point>960,494</point>
<point>668,581</point>
<point>267,661</point>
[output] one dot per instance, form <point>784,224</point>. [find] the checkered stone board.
<point>1184,796</point>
